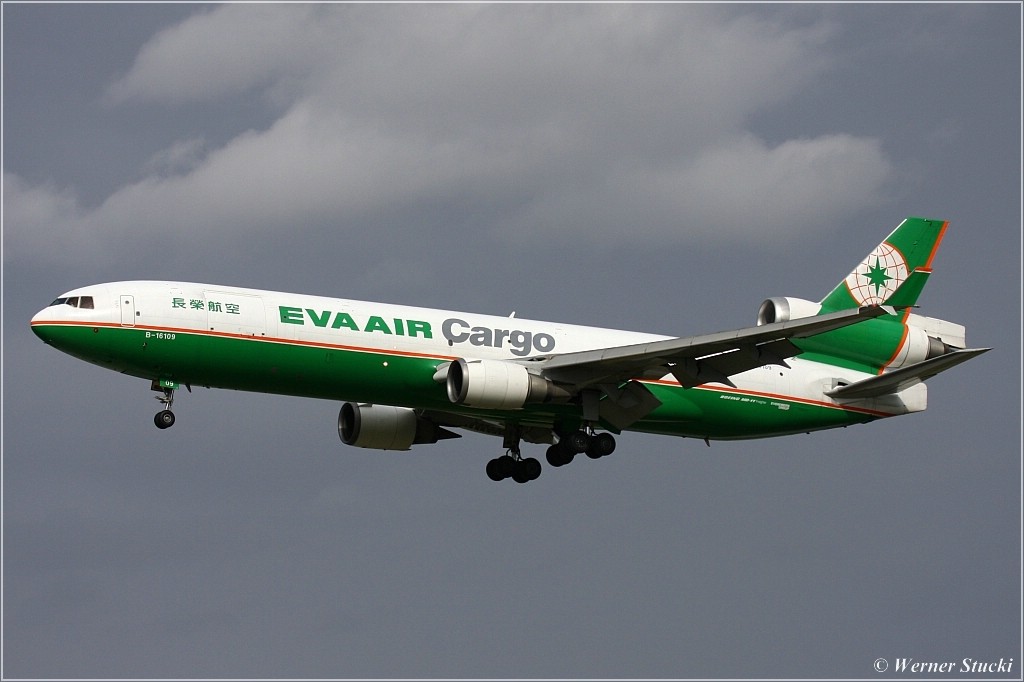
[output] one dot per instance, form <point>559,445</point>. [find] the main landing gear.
<point>512,465</point>
<point>594,445</point>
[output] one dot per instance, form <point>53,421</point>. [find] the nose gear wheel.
<point>164,419</point>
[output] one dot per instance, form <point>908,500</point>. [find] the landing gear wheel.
<point>559,456</point>
<point>164,419</point>
<point>519,474</point>
<point>576,442</point>
<point>519,470</point>
<point>532,468</point>
<point>601,445</point>
<point>526,470</point>
<point>500,468</point>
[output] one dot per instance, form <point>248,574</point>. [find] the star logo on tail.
<point>877,276</point>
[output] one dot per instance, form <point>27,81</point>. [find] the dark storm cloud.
<point>540,110</point>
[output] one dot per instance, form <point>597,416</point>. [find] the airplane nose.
<point>38,326</point>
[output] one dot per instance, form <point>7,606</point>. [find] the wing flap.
<point>721,366</point>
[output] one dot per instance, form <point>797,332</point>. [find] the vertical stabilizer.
<point>906,254</point>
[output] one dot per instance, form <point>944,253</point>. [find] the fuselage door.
<point>235,313</point>
<point>127,311</point>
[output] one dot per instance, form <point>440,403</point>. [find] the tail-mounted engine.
<point>927,338</point>
<point>784,309</point>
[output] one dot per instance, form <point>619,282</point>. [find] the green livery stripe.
<point>395,377</point>
<point>720,412</point>
<point>262,364</point>
<point>867,346</point>
<point>747,395</point>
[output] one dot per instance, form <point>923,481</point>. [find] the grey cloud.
<point>740,190</point>
<point>218,53</point>
<point>181,157</point>
<point>547,108</point>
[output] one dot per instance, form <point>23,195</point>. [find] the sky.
<point>661,168</point>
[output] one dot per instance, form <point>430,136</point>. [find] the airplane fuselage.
<point>339,349</point>
<point>408,376</point>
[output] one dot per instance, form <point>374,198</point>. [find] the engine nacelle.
<point>918,346</point>
<point>784,309</point>
<point>385,427</point>
<point>499,385</point>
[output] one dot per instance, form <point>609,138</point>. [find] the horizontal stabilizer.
<point>904,377</point>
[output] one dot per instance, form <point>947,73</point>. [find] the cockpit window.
<point>76,302</point>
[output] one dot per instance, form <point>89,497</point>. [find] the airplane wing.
<point>697,360</point>
<point>904,377</point>
<point>603,376</point>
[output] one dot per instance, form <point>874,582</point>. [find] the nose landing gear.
<point>164,419</point>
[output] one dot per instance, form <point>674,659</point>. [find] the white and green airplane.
<point>409,375</point>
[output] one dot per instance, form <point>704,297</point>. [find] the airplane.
<point>407,376</point>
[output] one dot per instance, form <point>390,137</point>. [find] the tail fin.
<point>904,349</point>
<point>902,262</point>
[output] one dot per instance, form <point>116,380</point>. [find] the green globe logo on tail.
<point>878,276</point>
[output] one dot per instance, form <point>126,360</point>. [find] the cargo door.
<point>234,313</point>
